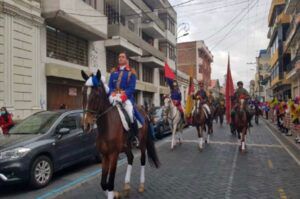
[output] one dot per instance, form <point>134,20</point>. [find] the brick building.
<point>194,58</point>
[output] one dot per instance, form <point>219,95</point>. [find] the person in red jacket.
<point>5,120</point>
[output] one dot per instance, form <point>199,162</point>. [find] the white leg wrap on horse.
<point>128,173</point>
<point>243,145</point>
<point>142,179</point>
<point>110,195</point>
<point>208,138</point>
<point>129,109</point>
<point>200,142</point>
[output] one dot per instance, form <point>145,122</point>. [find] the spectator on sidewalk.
<point>5,121</point>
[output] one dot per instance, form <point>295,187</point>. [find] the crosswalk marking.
<point>233,143</point>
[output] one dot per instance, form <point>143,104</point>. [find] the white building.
<point>45,43</point>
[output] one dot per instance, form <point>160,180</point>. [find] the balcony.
<point>290,6</point>
<point>293,69</point>
<point>153,30</point>
<point>274,58</point>
<point>293,33</point>
<point>76,17</point>
<point>272,8</point>
<point>149,13</point>
<point>127,7</point>
<point>118,32</point>
<point>151,62</point>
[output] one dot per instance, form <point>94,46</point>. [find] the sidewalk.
<point>289,140</point>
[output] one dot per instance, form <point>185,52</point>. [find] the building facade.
<point>44,45</point>
<point>262,67</point>
<point>195,59</point>
<point>278,22</point>
<point>292,46</point>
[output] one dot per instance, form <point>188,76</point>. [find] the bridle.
<point>96,114</point>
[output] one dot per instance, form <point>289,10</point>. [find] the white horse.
<point>173,115</point>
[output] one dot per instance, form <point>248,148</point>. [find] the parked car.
<point>43,144</point>
<point>161,127</point>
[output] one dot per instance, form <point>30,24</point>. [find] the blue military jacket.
<point>176,94</point>
<point>126,82</point>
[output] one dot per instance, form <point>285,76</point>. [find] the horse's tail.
<point>151,151</point>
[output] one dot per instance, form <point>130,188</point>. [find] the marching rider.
<point>176,96</point>
<point>239,92</point>
<point>202,96</point>
<point>122,84</point>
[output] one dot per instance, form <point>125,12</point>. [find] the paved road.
<point>267,170</point>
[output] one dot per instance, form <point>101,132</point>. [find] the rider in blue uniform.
<point>122,84</point>
<point>176,96</point>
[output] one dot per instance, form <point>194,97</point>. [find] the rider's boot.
<point>133,133</point>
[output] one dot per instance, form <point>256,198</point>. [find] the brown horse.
<point>201,122</point>
<point>219,113</point>
<point>113,139</point>
<point>241,124</point>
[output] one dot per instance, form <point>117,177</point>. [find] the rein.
<point>98,116</point>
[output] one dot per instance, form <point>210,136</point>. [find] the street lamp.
<point>185,34</point>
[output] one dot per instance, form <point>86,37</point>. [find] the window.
<point>147,38</point>
<point>131,26</point>
<point>111,60</point>
<point>113,17</point>
<point>66,47</point>
<point>168,21</point>
<point>148,74</point>
<point>162,80</point>
<point>168,50</point>
<point>172,52</point>
<point>70,122</point>
<point>92,3</point>
<point>135,65</point>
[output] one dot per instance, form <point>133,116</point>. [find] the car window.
<point>70,122</point>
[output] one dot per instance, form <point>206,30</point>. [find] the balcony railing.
<point>292,64</point>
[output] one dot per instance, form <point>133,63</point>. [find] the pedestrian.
<point>63,107</point>
<point>6,121</point>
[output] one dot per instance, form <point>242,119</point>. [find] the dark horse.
<point>202,123</point>
<point>241,122</point>
<point>112,138</point>
<point>219,113</point>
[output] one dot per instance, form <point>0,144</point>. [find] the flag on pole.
<point>169,75</point>
<point>189,99</point>
<point>228,92</point>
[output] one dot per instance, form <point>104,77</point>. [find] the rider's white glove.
<point>118,98</point>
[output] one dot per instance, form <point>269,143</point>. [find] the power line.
<point>212,9</point>
<point>238,22</point>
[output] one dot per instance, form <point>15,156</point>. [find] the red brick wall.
<point>187,58</point>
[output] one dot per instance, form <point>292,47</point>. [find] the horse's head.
<point>94,99</point>
<point>242,102</point>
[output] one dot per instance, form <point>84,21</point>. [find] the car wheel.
<point>41,172</point>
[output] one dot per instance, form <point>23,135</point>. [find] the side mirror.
<point>63,131</point>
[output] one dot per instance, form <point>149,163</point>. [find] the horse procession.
<point>120,121</point>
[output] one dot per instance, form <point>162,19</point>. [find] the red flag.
<point>169,74</point>
<point>228,92</point>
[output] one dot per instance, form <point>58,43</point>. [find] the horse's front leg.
<point>105,168</point>
<point>243,139</point>
<point>111,180</point>
<point>128,172</point>
<point>200,137</point>
<point>173,142</point>
<point>143,163</point>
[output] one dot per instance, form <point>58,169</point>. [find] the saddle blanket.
<point>124,120</point>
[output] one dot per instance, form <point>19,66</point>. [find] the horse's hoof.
<point>117,195</point>
<point>206,142</point>
<point>126,190</point>
<point>142,188</point>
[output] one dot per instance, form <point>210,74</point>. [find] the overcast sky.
<point>243,37</point>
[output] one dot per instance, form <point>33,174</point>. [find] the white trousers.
<point>129,109</point>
